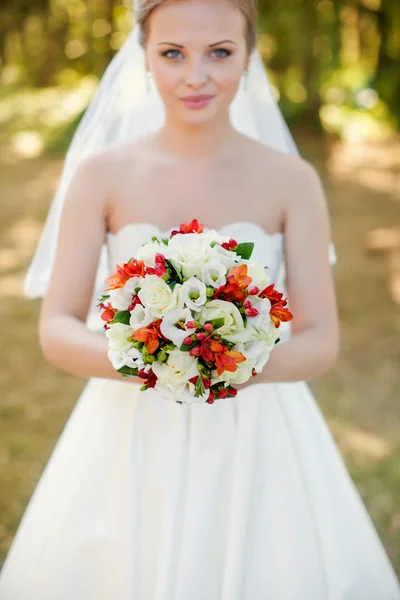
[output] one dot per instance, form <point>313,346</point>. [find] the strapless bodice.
<point>268,248</point>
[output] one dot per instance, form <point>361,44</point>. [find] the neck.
<point>203,141</point>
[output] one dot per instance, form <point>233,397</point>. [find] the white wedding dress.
<point>147,499</point>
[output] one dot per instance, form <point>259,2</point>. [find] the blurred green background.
<point>335,71</point>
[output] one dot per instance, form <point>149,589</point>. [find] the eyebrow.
<point>210,45</point>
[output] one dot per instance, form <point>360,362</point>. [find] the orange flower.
<point>238,276</point>
<point>228,361</point>
<point>125,272</point>
<point>108,313</point>
<point>150,335</point>
<point>278,313</point>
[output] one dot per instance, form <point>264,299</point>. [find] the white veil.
<point>122,108</point>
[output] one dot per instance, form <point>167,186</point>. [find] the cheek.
<point>166,76</point>
<point>228,78</point>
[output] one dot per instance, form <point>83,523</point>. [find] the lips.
<point>199,101</point>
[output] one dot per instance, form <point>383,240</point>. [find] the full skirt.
<point>245,499</point>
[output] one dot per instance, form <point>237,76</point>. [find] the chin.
<point>203,116</point>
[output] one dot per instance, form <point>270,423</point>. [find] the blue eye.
<point>172,53</point>
<point>222,52</point>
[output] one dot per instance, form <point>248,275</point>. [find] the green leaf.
<point>185,348</point>
<point>278,340</point>
<point>218,322</point>
<point>123,316</point>
<point>174,270</point>
<point>245,249</point>
<point>128,371</point>
<point>103,298</point>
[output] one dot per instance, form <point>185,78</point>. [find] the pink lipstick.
<point>197,102</point>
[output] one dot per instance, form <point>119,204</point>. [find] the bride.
<point>144,498</point>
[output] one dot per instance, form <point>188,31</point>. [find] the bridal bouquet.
<point>192,315</point>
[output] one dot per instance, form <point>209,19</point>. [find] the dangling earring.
<point>246,80</point>
<point>148,81</point>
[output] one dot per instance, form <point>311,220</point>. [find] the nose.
<point>196,74</point>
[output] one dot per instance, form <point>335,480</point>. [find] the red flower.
<point>125,272</point>
<point>150,378</point>
<point>135,301</point>
<point>230,244</point>
<point>272,294</point>
<point>193,227</point>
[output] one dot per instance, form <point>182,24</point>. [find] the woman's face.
<point>197,53</point>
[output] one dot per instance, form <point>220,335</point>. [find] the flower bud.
<point>247,304</point>
<point>195,351</point>
<point>200,336</point>
<point>211,398</point>
<point>187,341</point>
<point>254,290</point>
<point>223,393</point>
<point>210,292</point>
<point>160,259</point>
<point>208,326</point>
<point>251,312</point>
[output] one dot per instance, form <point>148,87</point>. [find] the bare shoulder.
<point>278,162</point>
<point>295,177</point>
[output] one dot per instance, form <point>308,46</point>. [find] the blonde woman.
<point>143,498</point>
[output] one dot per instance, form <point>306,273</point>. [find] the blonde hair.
<point>249,8</point>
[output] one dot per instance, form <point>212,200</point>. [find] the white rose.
<point>189,252</point>
<point>214,269</point>
<point>147,252</point>
<point>157,297</point>
<point>169,329</point>
<point>173,376</point>
<point>233,328</point>
<point>193,286</point>
<point>258,274</point>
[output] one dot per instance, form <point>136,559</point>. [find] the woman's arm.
<point>65,340</point>
<point>314,345</point>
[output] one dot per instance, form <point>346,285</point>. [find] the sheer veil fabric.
<point>123,108</point>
